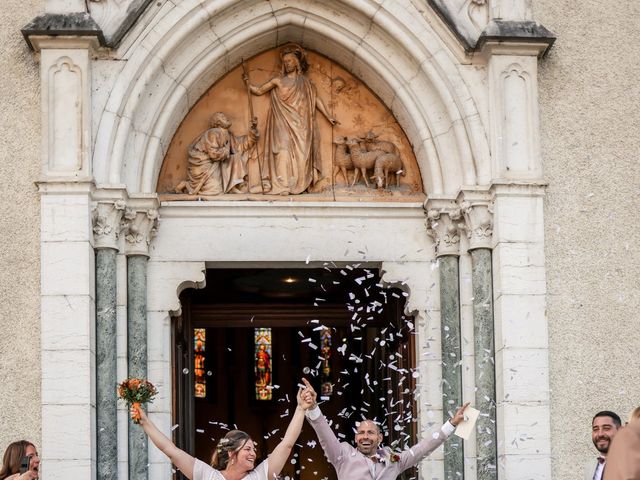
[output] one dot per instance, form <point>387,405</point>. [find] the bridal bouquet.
<point>136,391</point>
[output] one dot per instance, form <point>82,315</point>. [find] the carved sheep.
<point>385,164</point>
<point>362,160</point>
<point>342,160</point>
<point>372,143</point>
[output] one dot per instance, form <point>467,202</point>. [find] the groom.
<point>368,461</point>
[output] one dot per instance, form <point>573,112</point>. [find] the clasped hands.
<point>306,396</point>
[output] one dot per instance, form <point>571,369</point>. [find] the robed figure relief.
<point>291,161</point>
<point>218,160</point>
<point>290,98</point>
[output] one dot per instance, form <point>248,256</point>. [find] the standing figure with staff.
<point>291,162</point>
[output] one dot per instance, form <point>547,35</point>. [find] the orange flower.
<point>136,391</point>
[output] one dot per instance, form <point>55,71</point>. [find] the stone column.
<point>140,225</point>
<point>478,225</point>
<point>106,225</point>
<point>443,227</point>
<point>67,258</point>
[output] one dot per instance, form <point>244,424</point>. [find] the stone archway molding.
<point>185,48</point>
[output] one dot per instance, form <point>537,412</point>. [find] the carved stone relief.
<point>106,218</point>
<point>65,116</point>
<point>293,123</point>
<point>138,228</point>
<point>444,227</point>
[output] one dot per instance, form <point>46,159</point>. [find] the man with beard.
<point>604,427</point>
<point>368,461</point>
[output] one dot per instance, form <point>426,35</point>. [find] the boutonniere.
<point>387,456</point>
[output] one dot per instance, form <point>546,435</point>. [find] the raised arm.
<point>264,88</point>
<point>281,453</point>
<point>182,460</point>
<point>425,447</point>
<point>328,441</point>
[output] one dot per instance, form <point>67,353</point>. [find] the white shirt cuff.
<point>313,413</point>
<point>448,428</point>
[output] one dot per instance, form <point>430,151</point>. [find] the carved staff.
<point>254,120</point>
<point>333,150</point>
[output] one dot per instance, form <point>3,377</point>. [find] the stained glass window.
<point>262,362</point>
<point>326,387</point>
<point>199,360</point>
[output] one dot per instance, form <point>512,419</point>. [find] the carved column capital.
<point>138,228</point>
<point>106,219</point>
<point>443,226</point>
<point>477,211</point>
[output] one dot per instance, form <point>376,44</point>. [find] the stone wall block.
<point>518,219</point>
<point>526,430</point>
<point>65,218</point>
<point>67,324</point>
<point>65,430</point>
<point>519,269</point>
<point>66,377</point>
<point>64,469</point>
<point>520,467</point>
<point>157,373</point>
<point>523,322</point>
<point>522,375</point>
<point>68,268</point>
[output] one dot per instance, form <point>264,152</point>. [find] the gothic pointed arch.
<point>177,53</point>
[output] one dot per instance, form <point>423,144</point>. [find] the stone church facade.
<point>510,224</point>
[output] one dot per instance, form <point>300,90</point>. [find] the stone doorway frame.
<point>115,141</point>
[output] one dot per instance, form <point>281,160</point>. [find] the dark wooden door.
<point>370,369</point>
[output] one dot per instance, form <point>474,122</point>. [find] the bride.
<point>235,454</point>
